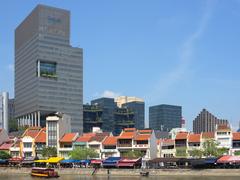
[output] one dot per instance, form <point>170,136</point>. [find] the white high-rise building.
<point>4,110</point>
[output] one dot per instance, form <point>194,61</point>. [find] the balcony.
<point>141,146</point>
<point>109,150</point>
<point>65,149</point>
<point>124,145</point>
<point>27,149</point>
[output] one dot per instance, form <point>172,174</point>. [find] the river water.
<point>77,177</point>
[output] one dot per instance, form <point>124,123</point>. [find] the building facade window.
<point>46,69</point>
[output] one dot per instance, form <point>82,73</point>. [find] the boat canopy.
<point>50,160</point>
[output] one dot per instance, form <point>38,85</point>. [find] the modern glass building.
<point>105,114</point>
<point>108,107</point>
<point>138,109</point>
<point>48,70</point>
<point>165,117</point>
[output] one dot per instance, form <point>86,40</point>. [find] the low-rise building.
<point>66,144</point>
<point>166,148</point>
<point>142,140</point>
<point>40,142</point>
<point>109,147</point>
<point>223,136</point>
<point>27,143</point>
<point>235,142</point>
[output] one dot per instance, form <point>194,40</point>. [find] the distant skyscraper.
<point>108,107</point>
<point>4,111</point>
<point>165,117</point>
<point>126,99</point>
<point>11,109</point>
<point>138,109</point>
<point>48,70</point>
<point>206,122</point>
<point>105,114</point>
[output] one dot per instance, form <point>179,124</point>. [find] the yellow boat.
<point>44,172</point>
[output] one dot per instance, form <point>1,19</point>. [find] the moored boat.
<point>44,172</point>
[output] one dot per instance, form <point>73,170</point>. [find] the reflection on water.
<point>78,177</point>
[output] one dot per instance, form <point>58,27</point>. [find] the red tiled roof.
<point>194,137</point>
<point>68,137</point>
<point>126,135</point>
<point>129,129</point>
<point>181,135</point>
<point>41,137</point>
<point>207,135</point>
<point>223,127</point>
<point>32,132</point>
<point>142,137</point>
<point>99,137</point>
<point>110,140</point>
<point>236,136</point>
<point>6,146</point>
<point>85,137</point>
<point>145,131</point>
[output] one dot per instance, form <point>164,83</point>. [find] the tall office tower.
<point>48,70</point>
<point>206,122</point>
<point>108,107</point>
<point>138,109</point>
<point>126,99</point>
<point>165,117</point>
<point>4,111</point>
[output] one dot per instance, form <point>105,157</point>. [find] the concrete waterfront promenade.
<point>131,172</point>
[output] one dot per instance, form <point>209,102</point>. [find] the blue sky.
<point>168,52</point>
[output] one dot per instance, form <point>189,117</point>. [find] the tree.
<point>4,155</point>
<point>83,153</point>
<point>196,153</point>
<point>13,126</point>
<point>133,154</point>
<point>210,148</point>
<point>49,152</point>
<point>237,153</point>
<point>222,151</point>
<point>181,152</point>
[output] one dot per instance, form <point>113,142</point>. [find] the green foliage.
<point>210,149</point>
<point>13,126</point>
<point>83,153</point>
<point>222,151</point>
<point>49,152</point>
<point>196,153</point>
<point>4,155</point>
<point>181,152</point>
<point>133,154</point>
<point>237,153</point>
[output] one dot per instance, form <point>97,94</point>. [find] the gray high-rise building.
<point>206,122</point>
<point>48,70</point>
<point>165,117</point>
